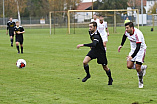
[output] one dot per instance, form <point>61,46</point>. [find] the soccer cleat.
<point>85,78</point>
<point>18,52</point>
<point>140,85</point>
<point>144,70</point>
<point>21,52</point>
<point>110,81</point>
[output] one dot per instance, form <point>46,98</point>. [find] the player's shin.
<point>18,49</point>
<point>109,76</point>
<point>21,49</point>
<point>109,73</point>
<point>11,39</point>
<point>86,68</point>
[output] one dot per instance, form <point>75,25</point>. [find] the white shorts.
<point>104,36</point>
<point>140,55</point>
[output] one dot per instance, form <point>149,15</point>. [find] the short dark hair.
<point>130,24</point>
<point>94,24</point>
<point>100,15</point>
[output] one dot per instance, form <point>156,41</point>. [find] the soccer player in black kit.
<point>18,31</point>
<point>97,52</point>
<point>10,27</point>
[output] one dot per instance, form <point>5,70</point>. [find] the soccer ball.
<point>21,63</point>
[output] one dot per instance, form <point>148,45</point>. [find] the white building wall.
<point>81,16</point>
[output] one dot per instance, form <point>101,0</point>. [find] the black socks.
<point>86,67</point>
<point>11,40</point>
<point>108,73</point>
<point>109,76</point>
<point>18,49</point>
<point>22,49</point>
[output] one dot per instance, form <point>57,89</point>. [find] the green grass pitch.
<point>54,70</point>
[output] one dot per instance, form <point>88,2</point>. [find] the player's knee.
<point>85,62</point>
<point>129,67</point>
<point>104,44</point>
<point>17,43</point>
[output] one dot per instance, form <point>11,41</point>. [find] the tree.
<point>152,10</point>
<point>11,7</point>
<point>110,4</point>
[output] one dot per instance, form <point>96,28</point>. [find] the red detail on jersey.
<point>144,55</point>
<point>133,31</point>
<point>137,40</point>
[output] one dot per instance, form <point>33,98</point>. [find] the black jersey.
<point>97,43</point>
<point>97,48</point>
<point>11,25</point>
<point>19,29</point>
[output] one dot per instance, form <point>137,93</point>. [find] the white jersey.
<point>102,27</point>
<point>137,37</point>
<point>93,20</point>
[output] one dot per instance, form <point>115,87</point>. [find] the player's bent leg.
<point>86,68</point>
<point>17,46</point>
<point>130,64</point>
<point>108,72</point>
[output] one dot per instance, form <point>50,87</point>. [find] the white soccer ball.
<point>21,63</point>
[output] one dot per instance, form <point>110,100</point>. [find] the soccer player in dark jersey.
<point>97,52</point>
<point>18,31</point>
<point>10,27</point>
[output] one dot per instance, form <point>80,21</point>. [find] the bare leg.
<point>130,64</point>
<point>104,43</point>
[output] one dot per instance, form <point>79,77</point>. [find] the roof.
<point>137,3</point>
<point>84,5</point>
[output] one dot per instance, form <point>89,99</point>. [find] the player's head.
<point>17,23</point>
<point>94,16</point>
<point>129,26</point>
<point>10,18</point>
<point>101,18</point>
<point>92,26</point>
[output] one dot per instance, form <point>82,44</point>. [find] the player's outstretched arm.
<point>122,43</point>
<point>80,45</point>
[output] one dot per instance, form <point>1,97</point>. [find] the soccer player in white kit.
<point>138,50</point>
<point>95,19</point>
<point>103,30</point>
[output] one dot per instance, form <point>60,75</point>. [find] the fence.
<point>76,21</point>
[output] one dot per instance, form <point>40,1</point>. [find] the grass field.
<point>54,70</point>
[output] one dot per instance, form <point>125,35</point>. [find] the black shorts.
<point>11,33</point>
<point>20,40</point>
<point>100,56</point>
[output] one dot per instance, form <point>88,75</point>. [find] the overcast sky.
<point>88,0</point>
